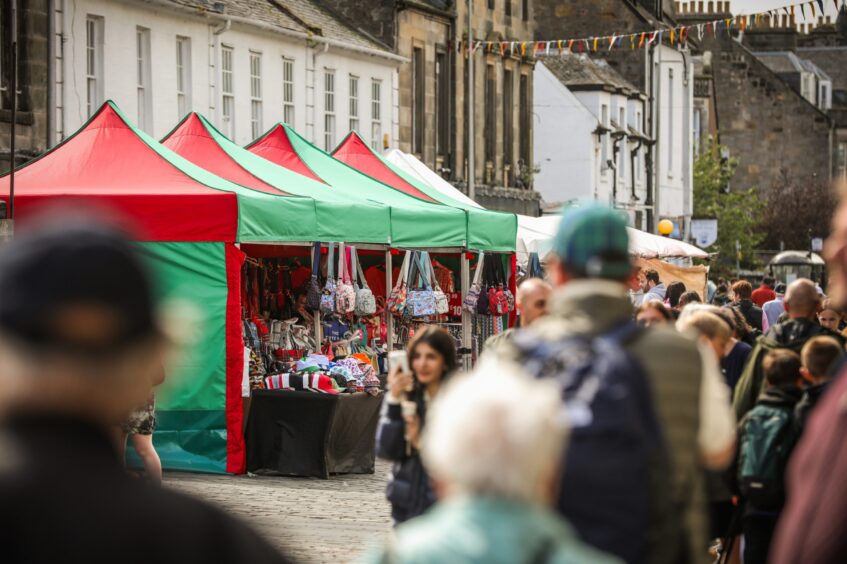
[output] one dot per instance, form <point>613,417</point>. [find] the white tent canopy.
<point>535,234</point>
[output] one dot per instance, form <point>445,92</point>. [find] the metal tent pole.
<point>466,316</point>
<point>388,287</point>
<point>470,120</point>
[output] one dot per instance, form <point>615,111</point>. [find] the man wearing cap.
<point>772,309</point>
<point>691,402</point>
<point>80,347</point>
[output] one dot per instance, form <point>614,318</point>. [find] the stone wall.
<point>31,137</point>
<point>766,124</point>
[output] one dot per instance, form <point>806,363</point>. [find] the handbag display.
<point>484,295</point>
<point>345,293</point>
<point>313,292</point>
<point>442,304</point>
<point>498,304</point>
<point>328,294</point>
<point>422,299</point>
<point>510,297</point>
<point>365,301</point>
<point>472,298</point>
<point>397,298</point>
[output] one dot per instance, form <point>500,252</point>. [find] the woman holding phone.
<point>430,359</point>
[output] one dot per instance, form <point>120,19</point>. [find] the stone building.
<point>433,88</point>
<point>33,117</point>
<point>662,71</point>
<point>771,105</point>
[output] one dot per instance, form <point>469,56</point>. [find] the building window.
<point>670,136</point>
<point>524,125</point>
<point>329,110</point>
<point>604,140</point>
<point>490,114</point>
<point>376,114</point>
<point>442,104</point>
<point>842,160</point>
<point>227,93</point>
<point>6,56</point>
<point>508,4</point>
<point>490,4</point>
<point>696,134</point>
<point>142,60</point>
<point>622,156</point>
<point>508,117</point>
<point>418,97</point>
<point>354,103</point>
<point>93,63</point>
<point>183,76</point>
<point>255,94</point>
<point>288,91</point>
<point>525,10</point>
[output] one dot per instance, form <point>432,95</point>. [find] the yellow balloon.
<point>665,227</point>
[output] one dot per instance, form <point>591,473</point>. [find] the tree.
<point>737,211</point>
<point>794,212</point>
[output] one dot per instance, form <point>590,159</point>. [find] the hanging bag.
<point>498,304</point>
<point>397,299</point>
<point>345,294</point>
<point>365,302</point>
<point>411,283</point>
<point>442,304</point>
<point>328,294</point>
<point>510,297</point>
<point>472,298</point>
<point>313,292</point>
<point>484,296</point>
<point>422,300</point>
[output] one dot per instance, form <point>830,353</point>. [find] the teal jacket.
<point>475,530</point>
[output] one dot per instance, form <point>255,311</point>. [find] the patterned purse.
<point>421,301</point>
<point>365,302</point>
<point>472,298</point>
<point>397,299</point>
<point>442,304</point>
<point>328,294</point>
<point>345,293</point>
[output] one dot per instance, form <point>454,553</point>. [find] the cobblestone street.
<point>312,520</point>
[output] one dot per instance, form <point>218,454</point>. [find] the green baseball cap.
<point>592,242</point>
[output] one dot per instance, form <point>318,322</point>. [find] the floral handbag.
<point>482,305</point>
<point>442,304</point>
<point>345,293</point>
<point>510,297</point>
<point>313,292</point>
<point>328,294</point>
<point>365,302</point>
<point>397,299</point>
<point>421,301</point>
<point>472,298</point>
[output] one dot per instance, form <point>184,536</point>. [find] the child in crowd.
<point>818,356</point>
<point>766,437</point>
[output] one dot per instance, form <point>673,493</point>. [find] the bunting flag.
<point>814,13</point>
<point>803,11</point>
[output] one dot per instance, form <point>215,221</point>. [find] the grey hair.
<point>496,432</point>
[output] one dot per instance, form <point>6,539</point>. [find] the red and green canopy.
<point>415,222</point>
<point>198,141</point>
<point>487,230</point>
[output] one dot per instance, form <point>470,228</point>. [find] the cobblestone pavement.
<point>335,520</point>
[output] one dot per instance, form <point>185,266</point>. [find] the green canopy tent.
<point>416,222</point>
<point>338,219</point>
<point>487,230</point>
<point>186,220</point>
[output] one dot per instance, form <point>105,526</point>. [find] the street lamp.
<point>665,227</point>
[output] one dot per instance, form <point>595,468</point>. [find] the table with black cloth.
<point>296,433</point>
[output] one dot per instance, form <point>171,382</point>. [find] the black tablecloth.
<point>308,434</point>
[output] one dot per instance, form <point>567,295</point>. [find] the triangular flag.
<point>700,31</point>
<point>523,48</point>
<point>559,43</point>
<point>743,24</point>
<point>595,44</point>
<point>803,10</point>
<point>812,6</point>
<point>511,48</point>
<point>570,44</point>
<point>611,42</point>
<point>547,51</point>
<point>820,5</point>
<point>673,36</point>
<point>502,49</point>
<point>641,41</point>
<point>632,41</point>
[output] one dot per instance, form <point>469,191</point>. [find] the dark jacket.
<point>752,313</point>
<point>65,497</point>
<point>791,334</point>
<point>810,399</point>
<point>409,488</point>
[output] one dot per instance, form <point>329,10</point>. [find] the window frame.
<point>183,76</point>
<point>376,114</point>
<point>288,93</point>
<point>353,106</point>
<point>228,91</point>
<point>329,110</point>
<point>256,98</point>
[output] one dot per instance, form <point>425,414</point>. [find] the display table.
<point>307,434</point>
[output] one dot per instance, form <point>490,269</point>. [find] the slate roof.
<point>788,62</point>
<point>579,72</point>
<point>304,16</point>
<point>832,60</point>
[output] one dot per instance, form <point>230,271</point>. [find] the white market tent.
<point>535,234</point>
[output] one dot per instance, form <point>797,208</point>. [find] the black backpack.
<point>767,437</point>
<point>616,441</point>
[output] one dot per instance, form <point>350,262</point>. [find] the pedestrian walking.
<point>649,510</point>
<point>742,293</point>
<point>773,309</point>
<point>673,295</point>
<point>493,445</point>
<point>139,428</point>
<point>653,314</point>
<point>801,305</point>
<point>819,356</point>
<point>766,437</point>
<point>431,360</point>
<point>531,304</point>
<point>652,286</point>
<point>80,346</point>
<point>737,351</point>
<point>829,317</point>
<point>765,292</point>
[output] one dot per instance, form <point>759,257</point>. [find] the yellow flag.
<point>673,36</point>
<point>523,48</point>
<point>595,43</point>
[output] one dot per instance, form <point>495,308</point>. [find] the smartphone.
<point>398,358</point>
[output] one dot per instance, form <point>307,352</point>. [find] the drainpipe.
<point>651,150</point>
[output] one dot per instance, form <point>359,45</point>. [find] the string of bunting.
<point>675,35</point>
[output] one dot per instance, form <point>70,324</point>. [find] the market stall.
<point>187,222</point>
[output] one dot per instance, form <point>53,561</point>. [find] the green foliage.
<point>737,211</point>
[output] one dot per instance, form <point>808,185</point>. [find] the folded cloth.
<point>306,364</point>
<point>320,359</point>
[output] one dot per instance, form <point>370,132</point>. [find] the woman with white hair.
<point>493,446</point>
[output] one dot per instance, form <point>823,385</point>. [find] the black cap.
<point>75,285</point>
<point>779,288</point>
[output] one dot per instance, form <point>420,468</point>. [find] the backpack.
<point>767,438</point>
<point>616,445</point>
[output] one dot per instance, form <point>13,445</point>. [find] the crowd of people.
<point>624,420</point>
